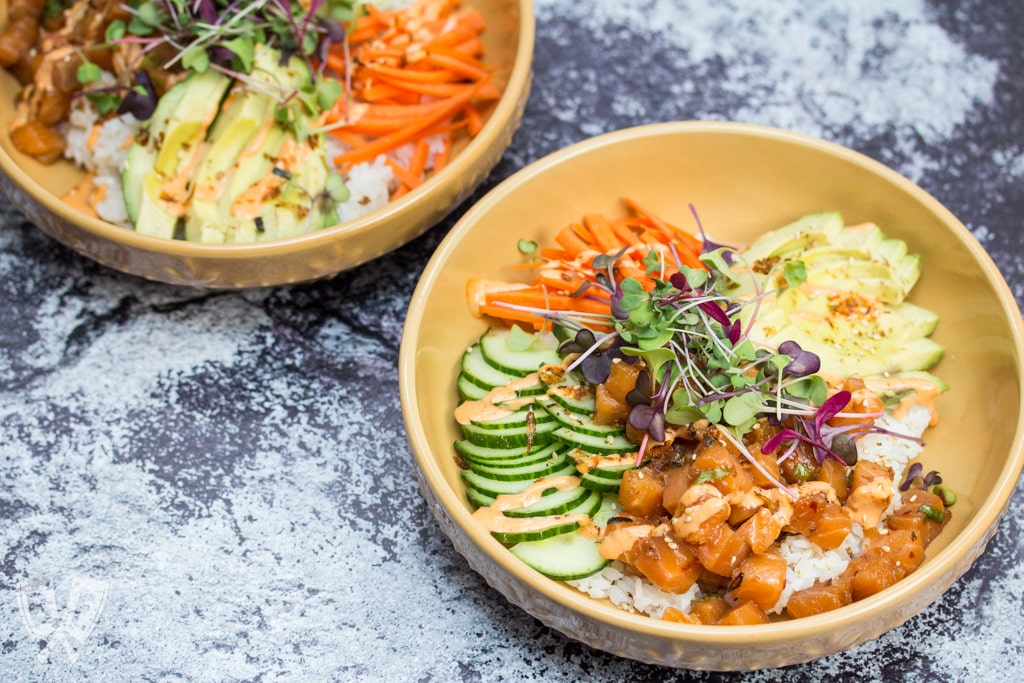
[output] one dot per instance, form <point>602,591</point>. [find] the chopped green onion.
<point>945,493</point>
<point>931,514</point>
<point>705,476</point>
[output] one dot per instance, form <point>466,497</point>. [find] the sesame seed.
<point>886,548</point>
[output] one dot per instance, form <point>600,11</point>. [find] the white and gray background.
<point>233,470</point>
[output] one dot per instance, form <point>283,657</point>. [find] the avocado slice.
<point>244,128</point>
<point>157,175</point>
<point>851,309</point>
<point>798,236</point>
<point>279,197</point>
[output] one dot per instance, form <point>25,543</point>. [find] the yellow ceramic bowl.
<point>36,190</point>
<point>743,180</point>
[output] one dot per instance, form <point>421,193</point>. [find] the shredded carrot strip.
<point>560,272</point>
<point>415,72</point>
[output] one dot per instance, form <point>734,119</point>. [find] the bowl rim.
<point>972,538</point>
<point>504,110</point>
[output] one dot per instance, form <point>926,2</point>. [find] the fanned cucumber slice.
<point>469,391</point>
<point>496,352</point>
<point>557,527</point>
<point>497,487</point>
<point>600,484</point>
<point>518,418</point>
<point>531,471</point>
<point>609,508</point>
<point>470,451</point>
<point>477,371</point>
<point>555,504</point>
<point>605,445</point>
<point>573,397</point>
<point>564,557</point>
<point>577,422</point>
<point>614,472</point>
<point>478,498</point>
<point>513,437</point>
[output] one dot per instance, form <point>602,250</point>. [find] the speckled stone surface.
<point>223,479</point>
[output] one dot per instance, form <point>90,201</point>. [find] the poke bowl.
<point>498,56</point>
<point>726,184</point>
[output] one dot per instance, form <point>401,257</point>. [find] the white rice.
<point>806,562</point>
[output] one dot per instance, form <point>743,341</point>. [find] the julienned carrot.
<point>560,273</point>
<point>540,297</point>
<point>403,174</point>
<point>403,135</point>
<point>570,241</point>
<point>673,232</point>
<point>441,158</point>
<point>416,72</point>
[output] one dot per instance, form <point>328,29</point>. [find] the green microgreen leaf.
<point>115,31</point>
<point>328,90</point>
<point>103,101</point>
<point>795,273</point>
<point>244,49</point>
<point>89,73</point>
<point>742,409</point>
<point>526,247</point>
<point>653,262</point>
<point>195,58</point>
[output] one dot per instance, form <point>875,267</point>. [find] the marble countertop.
<point>221,482</point>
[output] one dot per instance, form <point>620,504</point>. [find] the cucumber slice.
<point>497,354</point>
<point>515,419</point>
<point>582,424</point>
<point>470,451</point>
<point>531,471</point>
<point>555,504</point>
<point>469,391</point>
<point>589,506</point>
<point>599,484</point>
<point>485,466</point>
<point>575,398</point>
<point>611,471</point>
<point>476,370</point>
<point>509,438</point>
<point>478,498</point>
<point>497,487</point>
<point>564,557</point>
<point>609,508</point>
<point>557,528</point>
<point>594,444</point>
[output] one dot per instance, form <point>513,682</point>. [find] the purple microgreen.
<point>715,312</point>
<point>140,100</point>
<point>804,362</point>
<point>206,11</point>
<point>648,419</point>
<point>707,245</point>
<point>581,290</point>
<point>641,391</point>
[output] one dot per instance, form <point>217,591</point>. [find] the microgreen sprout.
<point>915,477</point>
<point>698,365</point>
